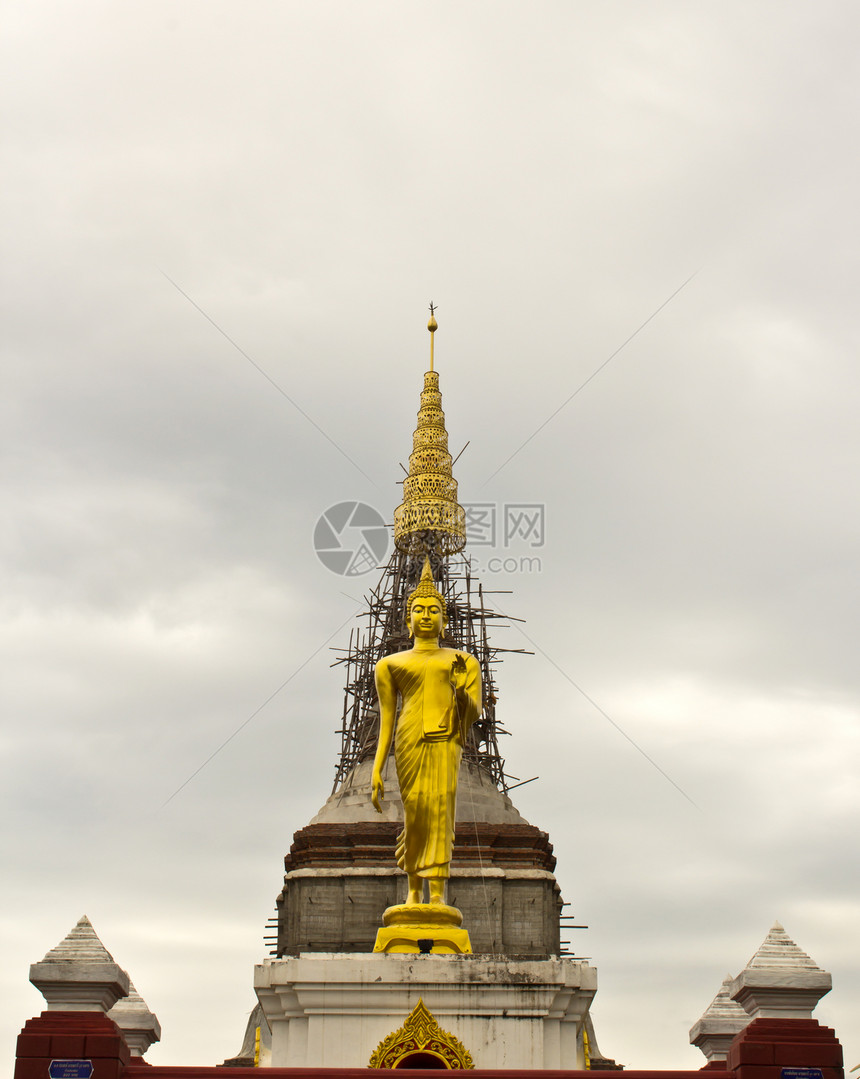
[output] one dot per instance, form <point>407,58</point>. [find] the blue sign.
<point>70,1069</point>
<point>801,1073</point>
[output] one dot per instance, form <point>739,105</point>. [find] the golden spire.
<point>430,490</point>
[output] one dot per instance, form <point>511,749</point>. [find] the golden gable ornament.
<point>420,1036</point>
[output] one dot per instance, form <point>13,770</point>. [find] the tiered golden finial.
<point>430,490</point>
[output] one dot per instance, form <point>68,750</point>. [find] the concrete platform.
<point>333,1010</point>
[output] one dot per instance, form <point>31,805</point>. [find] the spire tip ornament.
<point>432,326</point>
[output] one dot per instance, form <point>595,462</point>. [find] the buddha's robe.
<point>428,744</point>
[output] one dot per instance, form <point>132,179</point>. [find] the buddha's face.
<point>425,618</point>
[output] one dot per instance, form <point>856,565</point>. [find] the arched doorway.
<point>421,1060</point>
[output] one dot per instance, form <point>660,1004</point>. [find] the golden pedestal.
<point>428,928</point>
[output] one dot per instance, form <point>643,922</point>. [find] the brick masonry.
<point>71,1036</point>
<point>501,880</point>
<point>767,1046</point>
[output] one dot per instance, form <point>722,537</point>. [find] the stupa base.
<point>336,1011</point>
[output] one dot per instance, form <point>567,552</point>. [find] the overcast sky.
<point>198,192</point>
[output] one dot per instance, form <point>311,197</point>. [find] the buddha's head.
<point>426,615</point>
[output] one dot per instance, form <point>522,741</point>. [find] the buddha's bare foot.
<point>437,892</point>
<point>414,891</point>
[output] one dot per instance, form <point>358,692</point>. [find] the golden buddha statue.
<point>440,698</point>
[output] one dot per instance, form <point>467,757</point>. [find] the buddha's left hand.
<point>458,673</point>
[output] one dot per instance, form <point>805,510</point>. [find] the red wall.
<point>761,1051</point>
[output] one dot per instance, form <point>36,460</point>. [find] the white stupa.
<point>721,1021</point>
<point>780,981</point>
<point>80,974</point>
